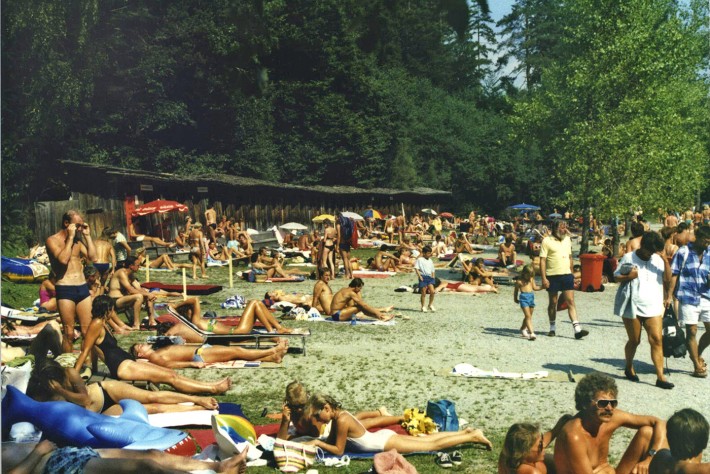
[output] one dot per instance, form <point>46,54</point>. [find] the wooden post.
<point>147,267</point>
<point>184,285</point>
<point>231,277</point>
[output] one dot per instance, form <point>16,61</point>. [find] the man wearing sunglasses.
<point>583,443</point>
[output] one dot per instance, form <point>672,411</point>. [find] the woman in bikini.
<point>123,366</point>
<point>48,294</point>
<point>198,250</point>
<point>52,382</point>
<point>177,356</point>
<point>348,429</point>
<point>327,247</point>
<point>190,309</point>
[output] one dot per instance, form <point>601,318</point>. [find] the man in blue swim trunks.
<point>66,249</point>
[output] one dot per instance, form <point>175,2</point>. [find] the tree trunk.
<point>584,244</point>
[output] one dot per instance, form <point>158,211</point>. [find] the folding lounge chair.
<point>256,334</point>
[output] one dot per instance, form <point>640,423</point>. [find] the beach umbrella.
<point>252,231</point>
<point>372,213</point>
<point>324,217</point>
<point>524,207</point>
<point>294,226</point>
<point>161,206</point>
<point>429,211</point>
<point>555,215</point>
<point>448,215</point>
<point>353,215</point>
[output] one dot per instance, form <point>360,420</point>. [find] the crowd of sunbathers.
<point>111,286</point>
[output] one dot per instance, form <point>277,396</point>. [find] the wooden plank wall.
<point>99,213</point>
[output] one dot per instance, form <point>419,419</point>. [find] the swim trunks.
<point>527,299</point>
<point>214,226</point>
<point>102,267</point>
<point>336,316</point>
<point>75,293</point>
<point>345,246</point>
<point>426,281</point>
<point>560,283</point>
<point>198,353</point>
<point>69,460</point>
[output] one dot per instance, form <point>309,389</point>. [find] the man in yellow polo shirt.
<point>556,269</point>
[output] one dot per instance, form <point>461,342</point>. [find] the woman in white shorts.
<point>639,301</point>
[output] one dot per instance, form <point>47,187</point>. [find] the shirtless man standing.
<point>211,218</point>
<point>322,294</point>
<point>583,443</point>
<point>125,293</point>
<point>66,248</point>
<point>348,302</point>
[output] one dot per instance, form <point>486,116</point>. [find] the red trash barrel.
<point>592,266</point>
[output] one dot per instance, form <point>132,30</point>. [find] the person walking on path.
<point>556,269</point>
<point>426,273</point>
<point>690,269</point>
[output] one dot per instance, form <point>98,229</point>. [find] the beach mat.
<point>244,364</point>
<point>359,322</point>
<point>177,288</point>
<point>372,274</point>
<point>539,376</point>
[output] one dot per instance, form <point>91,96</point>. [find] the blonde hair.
<point>317,402</point>
<point>296,394</point>
<point>527,273</point>
<point>518,442</point>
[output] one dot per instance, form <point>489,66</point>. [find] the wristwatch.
<point>651,452</point>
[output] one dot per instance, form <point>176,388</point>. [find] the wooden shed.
<point>101,192</point>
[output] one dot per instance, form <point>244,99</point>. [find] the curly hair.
<point>590,385</point>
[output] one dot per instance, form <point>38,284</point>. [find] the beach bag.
<point>673,336</point>
<point>443,412</point>
<point>293,457</point>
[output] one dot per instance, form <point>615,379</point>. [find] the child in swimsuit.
<point>523,295</point>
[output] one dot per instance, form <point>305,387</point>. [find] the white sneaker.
<point>432,309</point>
<point>525,333</point>
<point>424,310</point>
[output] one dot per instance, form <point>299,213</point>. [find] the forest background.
<point>571,103</point>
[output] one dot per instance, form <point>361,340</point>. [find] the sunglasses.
<point>602,403</point>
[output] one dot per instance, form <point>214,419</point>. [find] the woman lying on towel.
<point>52,382</point>
<point>348,429</point>
<point>123,366</point>
<point>255,310</point>
<point>295,424</point>
<point>186,357</point>
<point>163,261</point>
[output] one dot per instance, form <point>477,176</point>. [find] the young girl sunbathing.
<point>348,429</point>
<point>295,423</point>
<point>185,357</point>
<point>123,366</point>
<point>52,382</point>
<point>524,449</point>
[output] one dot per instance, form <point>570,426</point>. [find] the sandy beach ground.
<point>368,366</point>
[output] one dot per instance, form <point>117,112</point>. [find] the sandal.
<point>700,374</point>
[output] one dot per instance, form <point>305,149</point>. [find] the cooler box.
<point>592,266</point>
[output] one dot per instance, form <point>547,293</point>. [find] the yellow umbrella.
<point>324,217</point>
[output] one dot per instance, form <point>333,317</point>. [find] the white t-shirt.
<point>649,298</point>
<point>425,266</point>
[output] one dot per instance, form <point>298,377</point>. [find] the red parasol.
<point>161,206</point>
<point>448,215</point>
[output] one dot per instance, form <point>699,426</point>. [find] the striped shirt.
<point>692,273</point>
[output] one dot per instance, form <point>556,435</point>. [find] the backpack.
<point>443,412</point>
<point>673,335</point>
